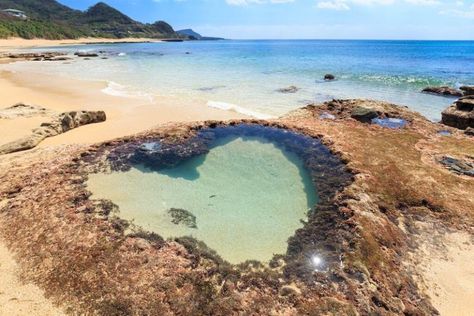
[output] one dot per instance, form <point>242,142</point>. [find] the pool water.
<point>246,197</point>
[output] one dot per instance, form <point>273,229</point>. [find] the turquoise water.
<point>244,75</point>
<point>248,196</point>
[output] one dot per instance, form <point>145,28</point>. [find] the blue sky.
<point>321,19</point>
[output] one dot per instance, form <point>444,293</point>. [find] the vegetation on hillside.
<point>52,20</point>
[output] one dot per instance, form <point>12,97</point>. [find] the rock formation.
<point>467,90</point>
<point>363,114</point>
<point>444,90</point>
<point>460,114</point>
<point>59,124</point>
<point>369,234</point>
<point>86,54</point>
<point>329,77</point>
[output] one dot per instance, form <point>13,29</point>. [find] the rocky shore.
<point>369,231</point>
<point>461,113</point>
<point>55,124</point>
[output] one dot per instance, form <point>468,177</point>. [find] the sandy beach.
<point>16,43</point>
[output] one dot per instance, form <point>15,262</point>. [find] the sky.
<point>306,19</point>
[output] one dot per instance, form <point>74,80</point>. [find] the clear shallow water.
<point>244,75</point>
<point>248,196</point>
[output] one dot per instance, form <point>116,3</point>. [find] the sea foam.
<point>238,109</point>
<point>118,90</point>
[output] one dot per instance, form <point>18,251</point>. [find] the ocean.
<point>245,75</point>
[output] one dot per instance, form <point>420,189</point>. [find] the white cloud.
<point>423,2</point>
<point>346,4</point>
<point>247,2</point>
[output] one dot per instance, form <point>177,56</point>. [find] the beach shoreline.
<point>21,43</point>
<point>126,115</point>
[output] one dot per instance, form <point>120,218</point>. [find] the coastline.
<point>18,43</point>
<point>125,116</point>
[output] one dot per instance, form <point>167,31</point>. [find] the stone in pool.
<point>249,192</point>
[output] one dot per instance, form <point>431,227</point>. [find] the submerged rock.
<point>290,89</point>
<point>184,217</point>
<point>364,115</point>
<point>444,90</point>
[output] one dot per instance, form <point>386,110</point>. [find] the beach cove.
<point>368,219</point>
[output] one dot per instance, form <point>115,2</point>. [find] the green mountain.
<point>52,20</point>
<point>192,35</point>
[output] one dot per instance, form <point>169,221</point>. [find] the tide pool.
<point>244,198</point>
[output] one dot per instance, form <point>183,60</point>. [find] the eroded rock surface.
<point>23,110</point>
<point>58,125</point>
<point>467,90</point>
<point>351,257</point>
<point>460,114</point>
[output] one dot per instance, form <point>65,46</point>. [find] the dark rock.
<point>460,114</point>
<point>181,216</point>
<point>290,89</point>
<point>467,90</point>
<point>469,131</point>
<point>444,90</point>
<point>329,77</point>
<point>465,104</point>
<point>364,115</point>
<point>458,166</point>
<point>84,54</point>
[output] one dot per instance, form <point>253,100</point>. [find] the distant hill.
<point>192,35</point>
<point>52,20</point>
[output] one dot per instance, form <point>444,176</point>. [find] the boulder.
<point>465,103</point>
<point>60,124</point>
<point>460,114</point>
<point>444,90</point>
<point>329,77</point>
<point>364,115</point>
<point>469,131</point>
<point>290,89</point>
<point>467,90</point>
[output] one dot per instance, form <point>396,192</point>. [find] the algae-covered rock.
<point>364,115</point>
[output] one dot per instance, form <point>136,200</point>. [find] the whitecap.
<point>238,109</point>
